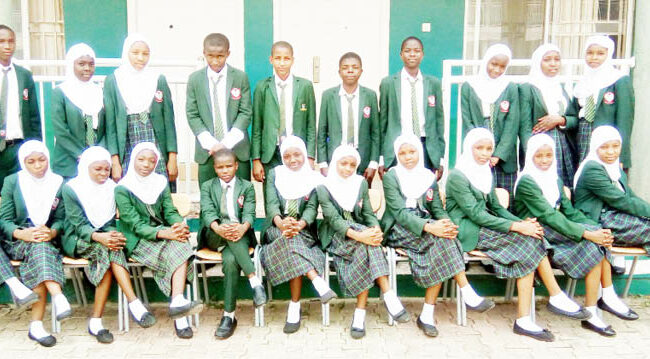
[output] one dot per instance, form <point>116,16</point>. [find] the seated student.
<point>227,216</point>
<point>516,246</point>
<point>31,221</point>
<point>156,236</point>
<point>91,233</point>
<point>351,233</point>
<point>416,222</point>
<point>290,247</point>
<point>603,194</point>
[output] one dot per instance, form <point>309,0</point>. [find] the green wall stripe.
<point>258,38</point>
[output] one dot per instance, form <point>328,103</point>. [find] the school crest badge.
<point>430,194</point>
<point>432,100</point>
<point>303,107</point>
<point>360,203</point>
<point>3,133</point>
<point>55,203</point>
<point>608,97</point>
<point>504,106</point>
<point>366,112</point>
<point>158,96</point>
<point>25,94</point>
<point>235,93</point>
<point>307,198</point>
<point>240,201</point>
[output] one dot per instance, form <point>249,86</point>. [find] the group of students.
<point>115,152</point>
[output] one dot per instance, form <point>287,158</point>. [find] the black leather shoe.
<point>226,328</point>
<point>27,301</point>
<point>606,332</point>
<point>290,328</point>
<point>357,333</point>
<point>428,329</point>
<point>401,317</point>
<point>545,335</point>
<point>259,296</point>
<point>103,336</point>
<point>147,320</point>
<point>484,306</point>
<point>630,315</point>
<point>191,308</point>
<point>48,341</point>
<point>325,298</point>
<point>64,316</point>
<point>581,314</point>
<point>184,333</point>
<point>616,270</point>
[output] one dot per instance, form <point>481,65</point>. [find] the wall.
<point>258,38</point>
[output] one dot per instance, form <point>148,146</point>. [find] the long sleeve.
<point>76,219</point>
<point>248,213</point>
<point>396,204</point>
<point>130,217</point>
<point>271,200</point>
<point>311,208</point>
<point>170,213</point>
<point>323,131</point>
<point>311,121</point>
<point>375,134</point>
<point>35,117</point>
<point>330,213</point>
<point>168,113</point>
<point>62,133</point>
<point>625,115</point>
<point>258,118</point>
<point>598,182</point>
<point>369,218</point>
<point>209,211</point>
<point>111,114</point>
<point>8,208</point>
<point>507,145</point>
<point>245,112</point>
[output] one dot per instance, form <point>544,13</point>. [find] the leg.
<point>431,294</point>
<point>606,274</point>
<point>239,251</point>
<point>123,279</point>
<point>362,300</point>
<point>231,276</point>
<point>524,292</point>
<point>38,309</point>
<point>383,284</point>
<point>295,285</point>
<point>546,274</point>
<point>178,279</point>
<point>53,287</point>
<point>312,274</point>
<point>592,282</point>
<point>101,294</point>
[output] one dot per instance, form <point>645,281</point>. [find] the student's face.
<point>226,167</point>
<point>596,56</point>
<point>139,55</point>
<point>99,171</point>
<point>84,68</point>
<point>543,158</point>
<point>293,158</point>
<point>282,60</point>
<point>7,46</point>
<point>36,164</point>
<point>482,151</point>
<point>609,151</point>
<point>350,70</point>
<point>497,66</point>
<point>412,54</point>
<point>145,162</point>
<point>408,156</point>
<point>551,63</point>
<point>216,57</point>
<point>346,166</point>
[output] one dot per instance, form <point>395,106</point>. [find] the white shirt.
<point>14,125</point>
<point>405,102</point>
<point>230,200</point>
<point>288,101</point>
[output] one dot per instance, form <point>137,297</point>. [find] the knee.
<point>229,263</point>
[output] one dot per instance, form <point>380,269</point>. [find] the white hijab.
<point>97,200</point>
<point>593,80</point>
<point>88,96</point>
<point>413,182</point>
<point>550,87</point>
<point>147,189</point>
<point>487,88</point>
<point>600,136</point>
<point>136,87</point>
<point>344,190</point>
<point>295,184</point>
<point>546,180</point>
<point>480,176</point>
<point>39,194</point>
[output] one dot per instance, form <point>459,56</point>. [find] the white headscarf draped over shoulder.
<point>88,95</point>
<point>550,87</point>
<point>147,189</point>
<point>295,184</point>
<point>39,194</point>
<point>136,87</point>
<point>97,200</point>
<point>546,180</point>
<point>416,181</point>
<point>344,190</point>
<point>593,80</point>
<point>600,136</point>
<point>487,88</point>
<point>480,176</point>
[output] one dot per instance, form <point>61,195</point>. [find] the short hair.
<point>284,44</point>
<point>409,39</point>
<point>217,40</point>
<point>224,152</point>
<point>5,27</point>
<point>350,55</point>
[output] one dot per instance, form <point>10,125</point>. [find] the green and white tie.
<point>414,108</point>
<point>223,208</point>
<point>492,108</point>
<point>590,109</point>
<point>91,135</point>
<point>216,111</point>
<point>292,208</point>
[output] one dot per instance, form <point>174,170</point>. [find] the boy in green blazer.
<point>219,109</point>
<point>348,115</point>
<point>283,105</point>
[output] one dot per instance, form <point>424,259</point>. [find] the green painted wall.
<point>258,38</point>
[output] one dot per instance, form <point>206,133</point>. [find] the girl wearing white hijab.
<point>156,235</point>
<point>416,222</point>
<point>490,101</point>
<point>516,247</point>
<point>31,218</point>
<point>139,108</point>
<point>351,233</point>
<point>290,248</point>
<point>603,96</point>
<point>579,246</point>
<point>91,233</point>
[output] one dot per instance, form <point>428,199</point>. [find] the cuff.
<point>322,165</point>
<point>381,160</point>
<point>232,138</point>
<point>206,140</point>
<point>373,165</point>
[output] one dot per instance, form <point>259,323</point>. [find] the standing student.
<point>283,105</point>
<point>31,222</point>
<point>290,247</point>
<point>348,115</point>
<point>351,233</point>
<point>77,110</point>
<point>91,233</point>
<point>219,109</point>
<point>156,236</point>
<point>227,217</point>
<point>19,117</point>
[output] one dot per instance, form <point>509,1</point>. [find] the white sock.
<point>595,319</point>
<point>178,301</point>
<point>181,323</point>
<point>61,303</point>
<point>611,298</point>
<point>359,318</point>
<point>392,302</point>
<point>230,315</point>
<point>527,324</point>
<point>137,309</point>
<point>36,329</point>
<point>293,313</point>
<point>320,285</point>
<point>426,316</point>
<point>562,301</point>
<point>254,281</point>
<point>18,289</point>
<point>95,325</point>
<point>470,297</point>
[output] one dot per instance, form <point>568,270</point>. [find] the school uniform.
<point>6,269</point>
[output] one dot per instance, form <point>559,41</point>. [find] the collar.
<point>342,91</point>
<point>231,183</point>
<point>405,75</point>
<point>278,81</point>
<point>213,74</point>
<point>11,65</point>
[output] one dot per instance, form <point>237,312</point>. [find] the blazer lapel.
<point>601,93</point>
<point>539,98</point>
<point>274,91</point>
<point>230,108</point>
<point>204,85</point>
<point>397,85</point>
<point>425,95</point>
<point>337,103</point>
<point>236,193</point>
<point>363,94</point>
<point>296,91</point>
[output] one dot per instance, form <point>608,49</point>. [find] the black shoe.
<point>606,332</point>
<point>64,316</point>
<point>616,270</point>
<point>290,328</point>
<point>580,314</point>
<point>428,329</point>
<point>226,328</point>
<point>27,301</point>
<point>325,298</point>
<point>630,315</point>
<point>48,341</point>
<point>483,307</point>
<point>259,296</point>
<point>401,317</point>
<point>184,333</point>
<point>545,335</point>
<point>103,336</point>
<point>357,333</point>
<point>147,320</point>
<point>191,308</point>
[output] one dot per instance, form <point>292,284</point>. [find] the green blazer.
<point>244,197</point>
<point>471,209</point>
<point>161,115</point>
<point>199,110</point>
<point>532,108</point>
<point>595,192</point>
<point>619,113</point>
<point>330,131</point>
<point>390,117</point>
<point>266,117</point>
<point>70,133</point>
<point>28,105</point>
<point>135,221</point>
<point>506,124</point>
<point>333,222</point>
<point>274,205</point>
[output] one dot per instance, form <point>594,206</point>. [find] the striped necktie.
<point>216,111</point>
<point>282,131</point>
<point>347,215</point>
<point>292,208</point>
<point>590,109</point>
<point>350,140</point>
<point>91,135</point>
<point>414,108</point>
<point>492,108</point>
<point>4,93</point>
<point>223,208</point>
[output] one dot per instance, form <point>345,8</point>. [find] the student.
<point>156,236</point>
<point>19,117</point>
<point>579,246</point>
<point>604,96</point>
<point>31,221</point>
<point>77,110</point>
<point>351,233</point>
<point>91,233</point>
<point>283,105</point>
<point>219,109</point>
<point>543,101</point>
<point>290,247</point>
<point>227,216</point>
<point>139,108</point>
<point>489,100</point>
<point>411,102</point>
<point>516,247</point>
<point>348,115</point>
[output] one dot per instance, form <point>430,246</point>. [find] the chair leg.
<point>195,290</point>
<point>326,275</point>
<point>628,283</point>
<point>391,270</point>
<point>259,312</point>
<point>136,284</point>
<point>75,284</point>
<point>204,276</point>
<point>188,295</point>
<point>459,310</point>
<point>142,284</point>
<point>127,318</point>
<point>532,305</point>
<point>80,280</point>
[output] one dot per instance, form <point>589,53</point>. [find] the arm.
<point>507,145</point>
<point>248,213</point>
<point>598,182</point>
<point>311,208</point>
<point>330,214</point>
<point>64,137</point>
<point>35,117</point>
<point>258,118</point>
<point>76,216</point>
<point>526,114</point>
<point>58,219</point>
<point>192,109</point>
<point>170,213</point>
<point>384,88</point>
<point>208,207</point>
<point>573,214</point>
<point>168,113</point>
<point>323,133</point>
<point>440,128</point>
<point>369,218</point>
<point>494,204</point>
<point>130,217</point>
<point>243,119</point>
<point>571,114</point>
<point>435,207</point>
<point>8,208</point>
<point>396,204</point>
<point>111,113</point>
<point>271,200</point>
<point>465,108</point>
<point>375,135</point>
<point>625,115</point>
<point>311,121</point>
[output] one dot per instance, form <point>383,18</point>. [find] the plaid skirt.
<point>284,259</point>
<point>140,129</point>
<point>566,165</point>
<point>628,230</point>
<point>576,259</point>
<point>584,137</point>
<point>163,257</point>
<point>506,181</point>
<point>41,261</point>
<point>6,270</point>
<point>99,259</point>
<point>514,255</point>
<point>357,265</point>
